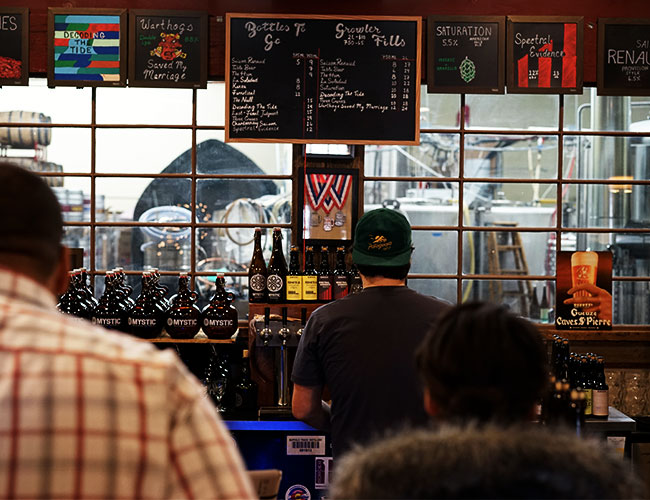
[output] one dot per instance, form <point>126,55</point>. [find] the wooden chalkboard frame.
<point>53,11</point>
<point>328,140</point>
<point>24,46</point>
<point>202,17</point>
<point>602,89</point>
<point>434,87</point>
<point>512,87</point>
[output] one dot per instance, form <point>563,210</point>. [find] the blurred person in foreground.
<point>86,412</point>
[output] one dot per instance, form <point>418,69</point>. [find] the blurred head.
<point>32,227</point>
<point>483,363</point>
<point>522,461</point>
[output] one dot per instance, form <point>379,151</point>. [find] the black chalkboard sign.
<point>623,56</point>
<point>466,54</point>
<point>168,48</point>
<point>322,79</point>
<point>545,55</point>
<point>14,46</point>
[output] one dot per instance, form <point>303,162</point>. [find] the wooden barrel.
<point>37,166</point>
<point>25,137</point>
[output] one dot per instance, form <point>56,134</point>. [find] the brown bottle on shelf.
<point>219,318</point>
<point>183,318</point>
<point>294,277</point>
<point>341,283</point>
<point>146,318</point>
<point>110,312</point>
<point>309,277</point>
<point>276,278</point>
<point>324,276</point>
<point>257,271</point>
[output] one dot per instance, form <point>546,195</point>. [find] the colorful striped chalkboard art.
<point>87,48</point>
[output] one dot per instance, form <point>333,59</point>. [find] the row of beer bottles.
<point>276,283</point>
<point>151,311</point>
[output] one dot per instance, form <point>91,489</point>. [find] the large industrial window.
<point>145,180</point>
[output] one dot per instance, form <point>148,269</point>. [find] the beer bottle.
<point>294,278</point>
<point>309,277</point>
<point>356,284</point>
<point>341,283</point>
<point>183,317</point>
<point>145,320</point>
<point>219,318</point>
<point>245,390</point>
<point>277,270</point>
<point>73,301</point>
<point>217,380</point>
<point>600,406</point>
<point>257,271</point>
<point>85,289</point>
<point>534,305</point>
<point>110,312</point>
<point>586,385</point>
<point>324,276</point>
<point>543,306</point>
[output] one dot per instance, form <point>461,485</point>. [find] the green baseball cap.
<point>382,238</point>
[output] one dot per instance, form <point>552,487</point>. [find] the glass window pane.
<point>519,251</point>
<point>436,156</point>
<point>74,199</point>
<point>78,237</point>
<point>144,106</point>
<point>590,111</point>
<point>526,205</point>
<point>514,111</point>
<point>517,295</point>
<point>211,104</point>
<point>444,289</point>
<point>533,157</point>
<point>436,252</point>
<point>216,157</point>
<point>631,302</point>
<point>60,104</point>
<point>122,196</point>
<point>144,151</point>
<point>439,110</point>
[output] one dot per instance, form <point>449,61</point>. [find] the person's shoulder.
<point>430,300</point>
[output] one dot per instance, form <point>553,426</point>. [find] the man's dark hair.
<point>32,226</point>
<point>392,272</point>
<point>483,363</point>
<point>521,461</point>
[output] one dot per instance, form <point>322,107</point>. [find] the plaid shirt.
<point>88,413</point>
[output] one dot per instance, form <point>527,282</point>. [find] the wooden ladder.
<point>501,244</point>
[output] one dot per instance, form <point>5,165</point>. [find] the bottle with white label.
<point>600,406</point>
<point>219,318</point>
<point>183,317</point>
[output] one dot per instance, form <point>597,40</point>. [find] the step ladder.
<point>506,257</point>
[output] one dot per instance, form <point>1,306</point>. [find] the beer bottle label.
<point>340,287</point>
<point>324,288</point>
<point>274,285</point>
<point>294,288</point>
<point>257,283</point>
<point>309,287</point>
<point>600,407</point>
<point>589,408</point>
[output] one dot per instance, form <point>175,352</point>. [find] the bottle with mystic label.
<point>183,317</point>
<point>146,318</point>
<point>219,318</point>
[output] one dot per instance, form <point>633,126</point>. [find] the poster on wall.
<point>14,46</point>
<point>466,54</point>
<point>168,49</point>
<point>623,65</point>
<point>584,291</point>
<point>545,55</point>
<point>86,47</point>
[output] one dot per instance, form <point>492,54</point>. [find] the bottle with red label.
<point>325,277</point>
<point>341,282</point>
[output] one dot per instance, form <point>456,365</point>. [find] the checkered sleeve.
<point>204,458</point>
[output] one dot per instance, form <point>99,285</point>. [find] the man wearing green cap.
<point>362,346</point>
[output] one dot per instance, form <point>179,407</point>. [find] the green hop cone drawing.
<point>467,70</point>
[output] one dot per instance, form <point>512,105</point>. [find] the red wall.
<point>591,10</point>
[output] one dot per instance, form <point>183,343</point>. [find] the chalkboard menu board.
<point>545,55</point>
<point>14,46</point>
<point>327,79</point>
<point>168,49</point>
<point>623,57</point>
<point>86,47</point>
<point>466,54</point>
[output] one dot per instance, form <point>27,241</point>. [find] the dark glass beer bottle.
<point>356,284</point>
<point>309,277</point>
<point>534,305</point>
<point>324,276</point>
<point>219,318</point>
<point>600,406</point>
<point>73,301</point>
<point>277,270</point>
<point>294,277</point>
<point>110,312</point>
<point>145,320</point>
<point>245,390</point>
<point>341,283</point>
<point>544,306</point>
<point>183,317</point>
<point>257,271</point>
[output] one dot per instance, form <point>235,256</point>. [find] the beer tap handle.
<point>284,332</point>
<point>266,332</point>
<point>303,321</point>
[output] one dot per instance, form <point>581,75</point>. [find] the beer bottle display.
<point>309,277</point>
<point>340,275</point>
<point>294,278</point>
<point>276,271</point>
<point>600,406</point>
<point>534,305</point>
<point>183,317</point>
<point>356,285</point>
<point>75,300</point>
<point>324,276</point>
<point>145,320</point>
<point>257,271</point>
<point>111,312</point>
<point>544,306</point>
<point>245,390</point>
<point>219,318</point>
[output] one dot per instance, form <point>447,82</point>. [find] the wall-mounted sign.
<point>168,49</point>
<point>466,54</point>
<point>14,46</point>
<point>86,47</point>
<point>323,79</point>
<point>545,55</point>
<point>623,57</point>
